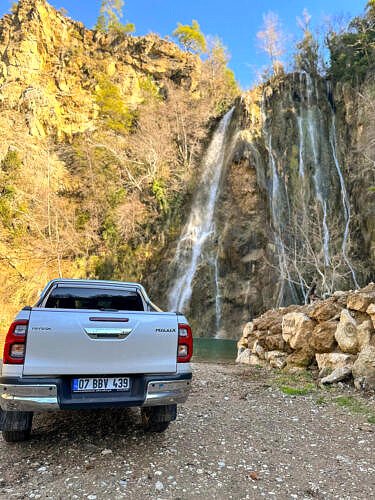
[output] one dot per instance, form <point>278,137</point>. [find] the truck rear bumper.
<point>148,391</point>
<point>39,397</point>
<point>169,392</point>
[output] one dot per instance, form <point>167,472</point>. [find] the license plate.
<point>101,384</point>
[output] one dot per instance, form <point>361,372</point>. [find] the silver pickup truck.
<point>94,344</point>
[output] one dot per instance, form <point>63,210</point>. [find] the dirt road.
<point>244,433</point>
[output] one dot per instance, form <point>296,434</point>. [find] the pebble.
<point>159,486</point>
<point>106,452</point>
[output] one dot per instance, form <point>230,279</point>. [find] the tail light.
<point>185,344</point>
<point>15,343</point>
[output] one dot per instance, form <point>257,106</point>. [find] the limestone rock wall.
<point>296,204</point>
<point>50,66</point>
<point>337,335</point>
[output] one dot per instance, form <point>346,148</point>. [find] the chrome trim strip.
<point>28,397</point>
<point>108,333</point>
<point>161,392</point>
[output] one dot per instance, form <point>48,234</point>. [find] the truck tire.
<point>158,418</point>
<point>17,425</point>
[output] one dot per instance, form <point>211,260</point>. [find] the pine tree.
<point>307,56</point>
<point>191,37</point>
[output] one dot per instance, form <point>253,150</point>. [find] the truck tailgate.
<point>73,342</point>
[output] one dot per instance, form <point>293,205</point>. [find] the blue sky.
<point>236,22</point>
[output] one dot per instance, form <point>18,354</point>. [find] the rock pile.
<point>336,334</point>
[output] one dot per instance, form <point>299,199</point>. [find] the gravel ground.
<point>239,436</point>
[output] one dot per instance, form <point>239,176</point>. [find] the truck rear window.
<point>94,298</point>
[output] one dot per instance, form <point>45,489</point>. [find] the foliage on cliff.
<point>100,139</point>
<point>353,50</point>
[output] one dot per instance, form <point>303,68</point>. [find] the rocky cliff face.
<point>50,67</point>
<point>87,120</point>
<point>295,213</point>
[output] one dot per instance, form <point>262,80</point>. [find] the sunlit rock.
<point>364,369</point>
<point>297,330</point>
<point>346,333</point>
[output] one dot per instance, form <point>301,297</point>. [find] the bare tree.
<point>271,39</point>
<point>301,257</point>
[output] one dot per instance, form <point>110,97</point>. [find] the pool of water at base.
<point>212,350</point>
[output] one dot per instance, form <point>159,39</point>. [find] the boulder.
<point>333,360</point>
<point>337,375</point>
<point>369,288</point>
<point>346,333</point>
<point>364,369</point>
<point>341,298</point>
<point>323,337</point>
<point>255,361</point>
<point>360,317</point>
<point>297,329</point>
<point>269,321</point>
<point>365,334</point>
<point>272,342</point>
<point>276,343</point>
<point>250,342</point>
<point>258,350</point>
<point>324,310</point>
<point>248,330</point>
<point>359,300</point>
<point>242,343</point>
<point>301,358</point>
<point>243,356</point>
<point>276,359</point>
<point>371,312</point>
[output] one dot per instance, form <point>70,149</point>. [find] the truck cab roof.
<point>99,283</point>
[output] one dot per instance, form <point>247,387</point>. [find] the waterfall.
<point>300,178</point>
<point>323,159</point>
<point>301,165</point>
<point>200,228</point>
<point>217,294</point>
<point>277,211</point>
<point>344,197</point>
<point>313,128</point>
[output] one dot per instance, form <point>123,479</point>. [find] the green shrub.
<point>112,109</point>
<point>158,190</point>
<point>11,162</point>
<point>353,52</point>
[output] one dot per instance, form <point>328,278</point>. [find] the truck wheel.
<point>158,418</point>
<point>17,425</point>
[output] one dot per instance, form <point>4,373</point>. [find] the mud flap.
<point>158,414</point>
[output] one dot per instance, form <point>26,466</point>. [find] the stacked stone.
<point>336,334</point>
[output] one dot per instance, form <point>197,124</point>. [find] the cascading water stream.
<point>318,181</point>
<point>344,197</point>
<point>200,225</point>
<point>277,212</point>
<point>217,294</point>
<point>301,164</point>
